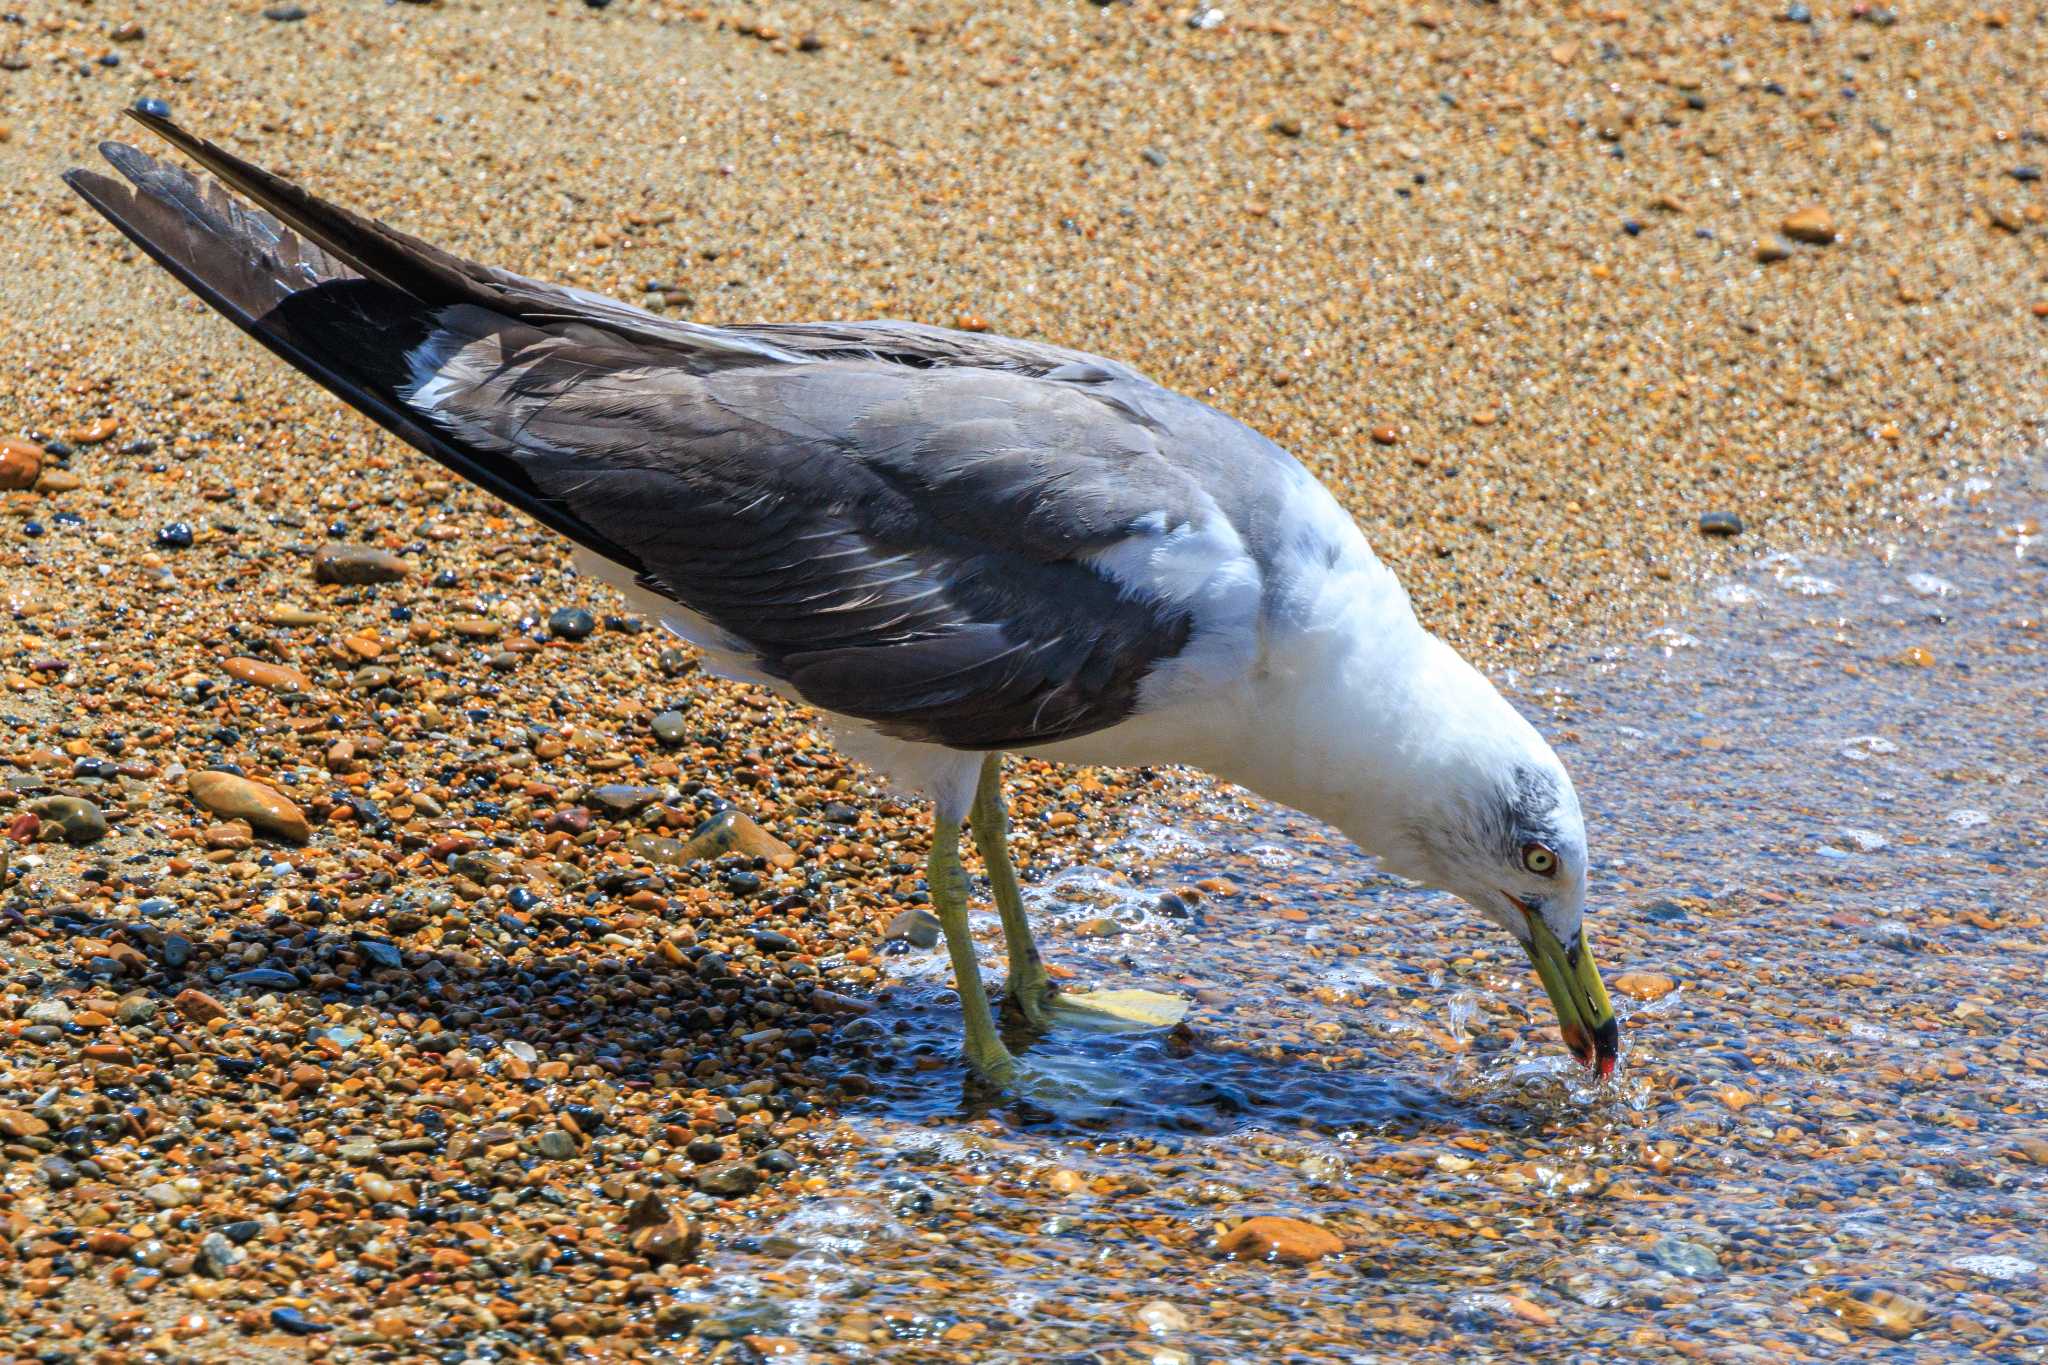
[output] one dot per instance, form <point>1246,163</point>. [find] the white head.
<point>1476,803</point>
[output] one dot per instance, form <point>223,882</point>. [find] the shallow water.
<point>1817,805</point>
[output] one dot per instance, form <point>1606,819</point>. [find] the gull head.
<point>1491,816</point>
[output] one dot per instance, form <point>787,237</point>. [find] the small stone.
<point>1386,436</point>
<point>176,536</point>
<point>286,615</point>
<point>164,1195</point>
<point>238,798</point>
<point>2030,1149</point>
<point>556,1145</point>
<point>730,831</point>
<point>291,1320</point>
<point>285,14</point>
<point>16,1124</point>
<point>276,677</point>
<point>1287,1240</point>
<point>1162,1318</point>
<point>727,1179</point>
<point>916,926</point>
<point>1771,249</point>
<point>1682,1257</point>
<point>135,1009</point>
<point>358,565</point>
<point>662,1237</point>
<point>670,728</point>
<point>571,623</point>
<point>1874,1308</point>
<point>1723,524</point>
<point>20,463</point>
<point>1644,985</point>
<point>92,433</point>
<point>1813,225</point>
<point>264,979</point>
<point>233,836</point>
<point>616,801</point>
<point>217,1255</point>
<point>81,821</point>
<point>1286,125</point>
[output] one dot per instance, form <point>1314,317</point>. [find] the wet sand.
<point>1496,275</point>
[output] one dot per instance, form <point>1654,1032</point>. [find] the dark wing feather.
<point>897,521</point>
<point>908,546</point>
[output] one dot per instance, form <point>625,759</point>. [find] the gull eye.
<point>1538,859</point>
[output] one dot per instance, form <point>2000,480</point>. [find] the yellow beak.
<point>1584,1014</point>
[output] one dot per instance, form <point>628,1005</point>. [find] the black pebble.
<point>571,623</point>
<point>1720,524</point>
<point>176,536</point>
<point>285,14</point>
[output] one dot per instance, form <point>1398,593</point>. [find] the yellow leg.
<point>948,884</point>
<point>1027,988</point>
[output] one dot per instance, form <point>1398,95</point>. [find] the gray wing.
<point>914,545</point>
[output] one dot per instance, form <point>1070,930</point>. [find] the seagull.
<point>952,545</point>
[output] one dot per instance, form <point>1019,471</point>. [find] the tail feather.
<point>372,249</point>
<point>325,302</point>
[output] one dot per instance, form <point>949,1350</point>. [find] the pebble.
<point>732,831</point>
<point>571,623</point>
<point>238,798</point>
<point>1162,1318</point>
<point>1644,986</point>
<point>916,926</point>
<point>1813,225</point>
<point>1683,1257</point>
<point>1289,1241</point>
<point>81,821</point>
<point>727,1179</point>
<point>285,14</point>
<point>1722,524</point>
<point>670,728</point>
<point>276,677</point>
<point>175,536</point>
<point>616,800</point>
<point>358,565</point>
<point>1874,1308</point>
<point>21,462</point>
<point>294,1321</point>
